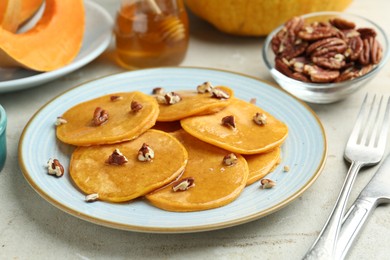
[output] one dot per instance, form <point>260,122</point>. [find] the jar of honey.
<point>151,33</point>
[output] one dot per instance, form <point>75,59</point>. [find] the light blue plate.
<point>304,151</point>
<point>96,40</point>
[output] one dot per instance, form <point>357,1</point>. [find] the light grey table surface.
<point>31,228</point>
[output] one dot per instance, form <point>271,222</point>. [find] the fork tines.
<point>372,122</point>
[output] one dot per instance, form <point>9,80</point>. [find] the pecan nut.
<point>230,159</point>
<point>260,118</point>
<point>204,87</point>
<point>267,183</point>
<point>60,121</point>
<point>376,51</point>
<point>372,51</point>
<point>320,75</point>
<point>325,46</point>
<point>219,94</point>
<point>117,158</point>
<point>353,72</point>
<point>335,50</point>
<point>355,47</point>
<point>100,116</point>
<point>145,153</point>
<point>300,76</point>
<point>282,65</point>
<point>285,43</point>
<point>342,24</point>
<point>183,184</point>
<point>92,197</point>
<point>172,98</point>
<point>135,106</point>
<point>333,61</point>
<point>317,31</point>
<point>158,91</point>
<point>54,167</point>
<point>115,98</point>
<point>366,33</point>
<point>328,53</point>
<point>229,121</point>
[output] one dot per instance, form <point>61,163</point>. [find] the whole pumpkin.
<point>257,17</point>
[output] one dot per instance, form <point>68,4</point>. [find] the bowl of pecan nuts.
<point>324,57</point>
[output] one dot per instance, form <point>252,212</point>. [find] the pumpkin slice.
<point>28,9</point>
<point>10,13</point>
<point>246,138</point>
<point>194,103</point>
<point>215,184</point>
<point>51,44</point>
<point>91,172</point>
<point>261,164</point>
<point>123,123</point>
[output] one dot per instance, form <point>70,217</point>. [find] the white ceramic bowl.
<point>323,93</point>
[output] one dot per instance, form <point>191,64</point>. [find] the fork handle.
<point>325,245</point>
<point>353,223</point>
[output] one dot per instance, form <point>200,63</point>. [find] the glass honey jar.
<point>151,33</point>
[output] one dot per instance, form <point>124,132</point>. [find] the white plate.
<point>304,152</point>
<point>96,39</point>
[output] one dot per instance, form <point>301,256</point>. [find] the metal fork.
<point>365,147</point>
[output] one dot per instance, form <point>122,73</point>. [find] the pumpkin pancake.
<point>193,103</point>
<point>93,174</point>
<point>261,164</point>
<point>84,124</point>
<point>214,183</point>
<point>247,137</point>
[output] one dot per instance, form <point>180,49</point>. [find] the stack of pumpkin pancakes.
<point>182,150</point>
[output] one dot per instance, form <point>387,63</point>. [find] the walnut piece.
<point>54,167</point>
<point>100,116</point>
<point>183,184</point>
<point>146,153</point>
<point>117,158</point>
